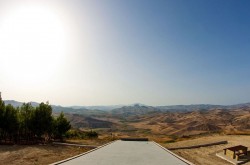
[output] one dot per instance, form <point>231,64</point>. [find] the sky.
<point>109,52</point>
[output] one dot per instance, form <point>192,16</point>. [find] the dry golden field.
<point>45,154</point>
<point>206,155</point>
<point>36,154</point>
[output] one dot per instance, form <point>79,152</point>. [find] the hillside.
<point>195,122</point>
<point>176,120</point>
<point>134,110</point>
<point>80,121</point>
<point>149,121</point>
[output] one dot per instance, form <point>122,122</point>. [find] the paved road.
<point>127,153</point>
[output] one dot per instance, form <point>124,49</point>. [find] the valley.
<point>173,124</point>
<point>180,127</point>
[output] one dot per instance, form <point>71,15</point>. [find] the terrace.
<point>127,152</point>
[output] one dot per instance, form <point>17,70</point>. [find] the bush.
<point>91,134</point>
<point>77,134</point>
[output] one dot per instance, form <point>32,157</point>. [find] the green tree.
<point>2,119</point>
<point>91,134</point>
<point>11,123</point>
<point>25,118</point>
<point>62,125</point>
<point>42,121</point>
<point>29,124</point>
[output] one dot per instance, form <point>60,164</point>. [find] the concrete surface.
<point>127,153</point>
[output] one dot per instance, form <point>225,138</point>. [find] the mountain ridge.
<point>132,108</point>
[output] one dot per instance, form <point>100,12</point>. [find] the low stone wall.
<point>73,144</point>
<point>201,145</point>
<point>134,139</point>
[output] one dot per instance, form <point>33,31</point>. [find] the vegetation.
<point>77,134</point>
<point>28,124</point>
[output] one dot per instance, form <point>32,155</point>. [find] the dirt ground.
<point>206,155</point>
<point>36,154</point>
<point>46,154</point>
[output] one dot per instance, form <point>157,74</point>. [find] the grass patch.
<point>170,141</point>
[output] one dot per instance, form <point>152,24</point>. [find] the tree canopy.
<point>28,124</point>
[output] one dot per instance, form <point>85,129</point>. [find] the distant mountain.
<point>133,109</point>
<point>191,107</point>
<point>137,109</point>
<point>236,106</point>
<point>18,104</point>
<point>58,109</point>
<point>82,111</point>
<point>102,108</point>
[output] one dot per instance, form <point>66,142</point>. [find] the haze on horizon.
<point>110,52</point>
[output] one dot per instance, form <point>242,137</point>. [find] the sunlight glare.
<point>32,43</point>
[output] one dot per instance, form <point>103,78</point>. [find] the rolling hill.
<point>176,120</point>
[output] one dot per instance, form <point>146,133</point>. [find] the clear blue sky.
<point>152,52</point>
